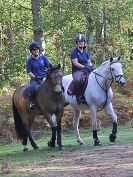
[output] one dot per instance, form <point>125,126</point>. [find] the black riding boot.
<point>78,92</point>
<point>32,99</point>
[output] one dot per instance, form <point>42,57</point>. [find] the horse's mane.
<point>105,63</point>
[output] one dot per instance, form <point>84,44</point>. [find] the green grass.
<point>15,156</point>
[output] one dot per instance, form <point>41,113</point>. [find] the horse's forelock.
<point>51,69</point>
<point>54,69</point>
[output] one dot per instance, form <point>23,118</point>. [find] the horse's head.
<point>54,78</point>
<point>116,71</point>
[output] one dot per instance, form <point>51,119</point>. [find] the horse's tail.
<point>19,125</point>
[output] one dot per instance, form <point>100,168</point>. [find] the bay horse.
<point>98,95</point>
<point>49,100</point>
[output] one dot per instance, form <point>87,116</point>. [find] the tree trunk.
<point>38,32</point>
<point>6,39</point>
<point>90,28</point>
<point>99,28</point>
<point>104,26</point>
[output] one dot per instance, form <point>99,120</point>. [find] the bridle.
<point>113,77</point>
<point>53,86</point>
<point>113,74</point>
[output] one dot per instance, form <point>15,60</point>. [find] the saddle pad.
<point>29,89</point>
<point>72,89</point>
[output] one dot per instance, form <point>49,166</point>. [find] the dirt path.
<point>107,161</point>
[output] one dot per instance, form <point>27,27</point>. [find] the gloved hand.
<point>38,78</point>
<point>88,69</point>
<point>91,68</point>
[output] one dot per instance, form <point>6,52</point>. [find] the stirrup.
<point>81,99</point>
<point>78,101</point>
<point>31,105</point>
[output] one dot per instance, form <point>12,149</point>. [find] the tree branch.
<point>24,7</point>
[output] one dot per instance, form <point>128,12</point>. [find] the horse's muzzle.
<point>58,89</point>
<point>121,82</point>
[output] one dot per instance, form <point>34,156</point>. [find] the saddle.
<point>29,91</point>
<point>83,84</point>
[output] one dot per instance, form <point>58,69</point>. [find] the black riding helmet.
<point>80,37</point>
<point>34,45</point>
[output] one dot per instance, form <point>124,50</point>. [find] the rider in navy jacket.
<point>36,67</point>
<point>80,62</point>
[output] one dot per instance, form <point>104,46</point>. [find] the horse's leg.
<point>28,122</point>
<point>24,143</point>
<point>77,115</point>
<point>58,120</point>
<point>93,110</point>
<point>109,111</point>
<point>50,120</point>
<point>33,144</point>
<point>25,139</point>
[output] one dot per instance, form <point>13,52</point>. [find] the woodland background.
<point>107,24</point>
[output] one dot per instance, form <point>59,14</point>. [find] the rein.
<point>106,90</point>
<point>57,97</point>
<point>52,85</point>
<point>120,76</point>
<point>111,79</point>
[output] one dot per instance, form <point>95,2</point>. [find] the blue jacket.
<point>82,58</point>
<point>38,66</point>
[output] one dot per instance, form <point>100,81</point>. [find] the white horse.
<point>98,94</point>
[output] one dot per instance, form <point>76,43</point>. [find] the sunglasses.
<point>36,49</point>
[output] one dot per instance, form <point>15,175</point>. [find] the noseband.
<point>60,84</point>
<point>113,74</point>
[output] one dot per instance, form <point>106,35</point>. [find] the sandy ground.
<point>104,161</point>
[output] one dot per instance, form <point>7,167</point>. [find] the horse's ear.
<point>59,66</point>
<point>111,59</point>
<point>119,57</point>
<point>50,65</point>
<point>48,71</point>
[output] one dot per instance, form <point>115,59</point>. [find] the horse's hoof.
<point>61,148</point>
<point>25,150</point>
<point>51,144</point>
<point>112,138</point>
<point>81,142</point>
<point>35,148</point>
<point>97,142</point>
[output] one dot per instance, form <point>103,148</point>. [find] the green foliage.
<point>61,22</point>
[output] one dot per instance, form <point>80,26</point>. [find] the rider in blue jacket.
<point>80,62</point>
<point>36,67</point>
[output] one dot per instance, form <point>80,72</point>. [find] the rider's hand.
<point>88,69</point>
<point>91,68</point>
<point>37,78</point>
